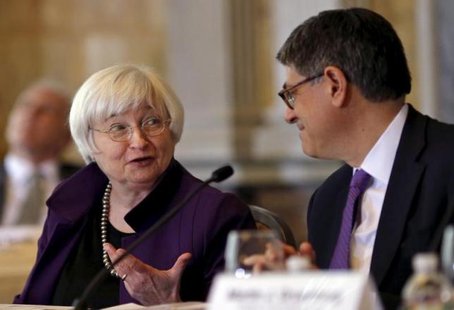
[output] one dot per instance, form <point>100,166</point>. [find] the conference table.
<point>17,255</point>
<point>173,306</point>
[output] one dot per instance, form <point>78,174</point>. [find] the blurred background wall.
<point>219,57</point>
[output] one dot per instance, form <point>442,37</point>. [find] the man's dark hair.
<point>358,41</point>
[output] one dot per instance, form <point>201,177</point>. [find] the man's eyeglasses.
<point>151,126</point>
<point>288,94</point>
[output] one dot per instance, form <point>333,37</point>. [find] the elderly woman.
<point>126,123</point>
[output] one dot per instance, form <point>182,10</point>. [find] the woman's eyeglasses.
<point>152,126</point>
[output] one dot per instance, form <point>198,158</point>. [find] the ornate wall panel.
<point>68,40</point>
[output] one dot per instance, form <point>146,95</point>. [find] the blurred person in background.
<point>37,133</point>
<point>126,123</point>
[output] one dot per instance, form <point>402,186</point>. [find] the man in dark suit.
<point>346,82</point>
<point>37,133</point>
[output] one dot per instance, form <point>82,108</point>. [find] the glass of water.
<point>447,253</point>
<point>253,251</point>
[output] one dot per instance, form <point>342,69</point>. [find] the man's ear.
<point>336,85</point>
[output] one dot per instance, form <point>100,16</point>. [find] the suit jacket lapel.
<point>324,229</point>
<point>403,183</point>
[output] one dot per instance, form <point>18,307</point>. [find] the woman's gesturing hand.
<point>146,284</point>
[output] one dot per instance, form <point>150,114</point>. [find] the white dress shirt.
<point>19,172</point>
<point>378,163</point>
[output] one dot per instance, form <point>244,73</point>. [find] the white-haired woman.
<point>126,122</point>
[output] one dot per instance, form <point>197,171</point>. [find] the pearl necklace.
<point>104,223</point>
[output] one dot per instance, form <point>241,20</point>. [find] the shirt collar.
<point>379,161</point>
<point>20,170</point>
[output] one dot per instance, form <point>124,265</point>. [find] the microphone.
<point>220,174</point>
<point>217,176</point>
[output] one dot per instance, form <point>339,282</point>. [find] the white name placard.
<point>314,290</point>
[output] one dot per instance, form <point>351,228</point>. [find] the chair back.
<point>266,219</point>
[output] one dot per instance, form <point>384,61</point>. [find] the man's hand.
<point>307,250</point>
<point>261,262</point>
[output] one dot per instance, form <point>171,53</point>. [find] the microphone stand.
<point>218,175</point>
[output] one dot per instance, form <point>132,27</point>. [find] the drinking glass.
<point>253,251</point>
<point>447,252</point>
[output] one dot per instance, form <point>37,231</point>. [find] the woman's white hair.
<point>115,90</point>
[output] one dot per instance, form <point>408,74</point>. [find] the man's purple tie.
<point>341,256</point>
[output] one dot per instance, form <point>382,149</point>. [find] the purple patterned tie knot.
<point>341,255</point>
<point>360,180</point>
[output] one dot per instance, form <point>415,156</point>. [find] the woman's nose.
<point>138,137</point>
